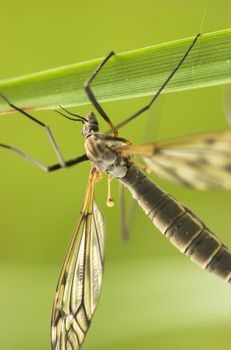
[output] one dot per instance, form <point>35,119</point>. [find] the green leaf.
<point>126,75</point>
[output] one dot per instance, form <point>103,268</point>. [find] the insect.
<point>202,162</point>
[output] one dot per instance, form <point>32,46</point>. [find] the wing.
<point>201,161</point>
<point>80,280</point>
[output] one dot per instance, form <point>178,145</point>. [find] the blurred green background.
<point>153,297</point>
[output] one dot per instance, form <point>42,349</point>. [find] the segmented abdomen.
<point>184,229</point>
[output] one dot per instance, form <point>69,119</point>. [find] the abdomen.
<point>177,223</point>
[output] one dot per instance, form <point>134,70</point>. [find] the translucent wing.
<point>201,161</point>
<point>80,280</point>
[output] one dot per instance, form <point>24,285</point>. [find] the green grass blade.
<point>127,75</point>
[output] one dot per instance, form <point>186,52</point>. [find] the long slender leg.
<point>46,127</point>
<point>92,97</point>
<point>145,108</point>
<point>123,214</point>
<point>126,219</point>
<point>49,168</point>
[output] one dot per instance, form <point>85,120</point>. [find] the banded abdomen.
<point>184,229</point>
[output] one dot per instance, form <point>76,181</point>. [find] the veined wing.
<point>80,280</point>
<point>201,161</point>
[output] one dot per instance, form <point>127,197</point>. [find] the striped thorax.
<point>102,150</point>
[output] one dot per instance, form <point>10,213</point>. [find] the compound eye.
<point>92,118</point>
<point>92,122</point>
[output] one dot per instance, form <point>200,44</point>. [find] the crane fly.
<point>202,162</point>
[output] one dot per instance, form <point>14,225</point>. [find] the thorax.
<point>105,156</point>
